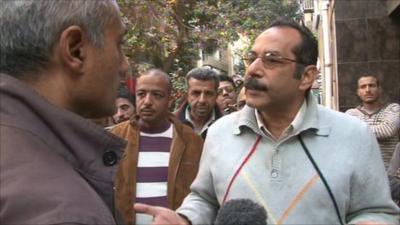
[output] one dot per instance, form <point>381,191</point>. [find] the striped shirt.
<point>152,171</point>
<point>385,124</point>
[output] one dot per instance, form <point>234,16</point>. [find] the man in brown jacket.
<point>162,156</point>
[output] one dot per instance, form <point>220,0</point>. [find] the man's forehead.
<point>200,83</point>
<point>151,88</point>
<point>122,101</point>
<point>225,83</point>
<point>274,38</point>
<point>367,80</point>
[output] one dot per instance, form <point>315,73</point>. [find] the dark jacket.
<point>56,167</point>
<point>185,155</point>
<point>181,111</point>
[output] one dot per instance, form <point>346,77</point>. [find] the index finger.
<point>146,209</point>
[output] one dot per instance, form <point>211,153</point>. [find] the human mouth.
<point>227,98</point>
<point>147,111</point>
<point>202,110</point>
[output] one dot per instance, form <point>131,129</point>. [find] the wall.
<point>368,40</point>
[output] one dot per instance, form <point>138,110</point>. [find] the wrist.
<point>185,219</point>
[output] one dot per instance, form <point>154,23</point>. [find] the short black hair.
<point>369,75</point>
<point>224,77</point>
<point>307,51</point>
<point>203,73</point>
<point>123,92</point>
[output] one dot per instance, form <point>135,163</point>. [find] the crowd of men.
<point>268,142</point>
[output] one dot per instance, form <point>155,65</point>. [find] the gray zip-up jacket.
<point>55,167</point>
<point>279,176</point>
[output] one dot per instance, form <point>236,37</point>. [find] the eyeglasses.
<point>227,89</point>
<point>269,59</point>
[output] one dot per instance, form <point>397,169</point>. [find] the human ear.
<point>308,77</point>
<point>72,48</point>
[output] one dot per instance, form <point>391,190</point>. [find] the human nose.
<point>202,97</point>
<point>148,99</point>
<point>253,70</point>
<point>119,113</point>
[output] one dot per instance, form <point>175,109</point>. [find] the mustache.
<point>253,84</point>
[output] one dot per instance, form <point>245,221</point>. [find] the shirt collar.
<point>310,120</point>
<point>206,125</point>
<point>292,128</point>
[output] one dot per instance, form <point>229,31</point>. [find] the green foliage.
<point>169,33</point>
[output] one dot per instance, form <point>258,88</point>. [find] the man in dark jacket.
<point>200,109</point>
<point>60,62</point>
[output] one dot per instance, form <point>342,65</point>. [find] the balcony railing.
<point>308,6</point>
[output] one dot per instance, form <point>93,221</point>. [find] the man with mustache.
<point>162,154</point>
<point>200,110</point>
<point>305,164</point>
<point>383,119</point>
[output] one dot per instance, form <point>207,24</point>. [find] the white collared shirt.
<point>199,130</point>
<point>294,125</point>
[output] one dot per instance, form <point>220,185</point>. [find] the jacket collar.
<point>181,115</point>
<point>83,143</point>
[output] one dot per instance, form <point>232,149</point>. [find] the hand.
<point>161,215</point>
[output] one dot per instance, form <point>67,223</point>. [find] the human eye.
<point>229,89</point>
<point>272,59</point>
<point>158,95</point>
<point>210,93</point>
<point>250,58</point>
<point>195,93</point>
<point>124,107</point>
<point>140,94</point>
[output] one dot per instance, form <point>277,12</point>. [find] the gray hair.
<point>204,74</point>
<point>30,29</point>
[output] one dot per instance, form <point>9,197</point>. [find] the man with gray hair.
<point>60,61</point>
<point>200,109</point>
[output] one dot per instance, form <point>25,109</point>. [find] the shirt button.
<point>274,174</point>
<point>109,158</point>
